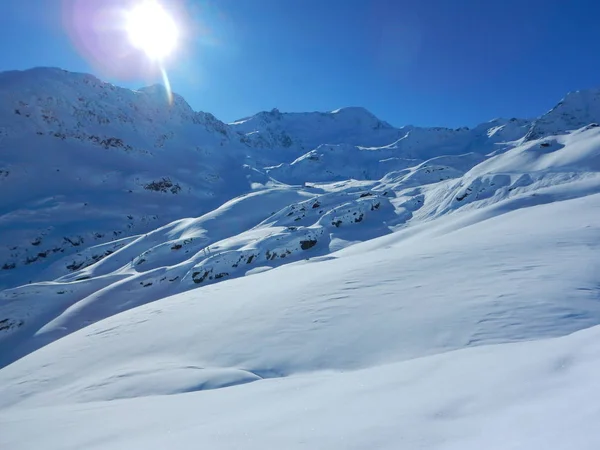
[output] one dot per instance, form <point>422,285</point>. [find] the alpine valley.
<point>293,280</point>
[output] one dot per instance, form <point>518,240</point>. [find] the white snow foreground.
<point>534,395</point>
<point>359,286</point>
<point>365,348</point>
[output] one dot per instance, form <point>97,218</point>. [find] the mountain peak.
<point>577,109</point>
<point>353,110</point>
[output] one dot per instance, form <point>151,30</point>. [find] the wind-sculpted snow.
<point>84,163</point>
<point>517,396</point>
<point>482,277</point>
<point>192,252</point>
<point>283,225</point>
<point>330,259</point>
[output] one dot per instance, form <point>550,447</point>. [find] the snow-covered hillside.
<point>83,162</point>
<point>355,349</point>
<point>330,258</point>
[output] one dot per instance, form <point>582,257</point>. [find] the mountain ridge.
<point>141,153</point>
<point>156,256</point>
<point>125,187</point>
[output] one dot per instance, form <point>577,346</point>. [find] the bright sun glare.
<point>152,29</point>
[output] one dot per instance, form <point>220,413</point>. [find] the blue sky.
<point>421,62</point>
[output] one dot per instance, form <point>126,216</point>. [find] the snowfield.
<point>314,280</point>
<point>541,394</point>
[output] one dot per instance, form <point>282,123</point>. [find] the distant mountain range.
<point>104,186</point>
<point>334,281</point>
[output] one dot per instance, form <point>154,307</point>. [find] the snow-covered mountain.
<point>147,250</point>
<point>84,162</point>
<point>577,109</point>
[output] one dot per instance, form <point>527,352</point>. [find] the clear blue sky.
<point>423,62</point>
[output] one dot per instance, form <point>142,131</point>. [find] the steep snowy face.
<point>273,227</point>
<point>64,102</point>
<point>577,109</point>
<point>88,165</point>
<point>84,162</point>
<point>335,162</point>
<point>297,136</point>
<point>297,133</point>
<point>152,250</point>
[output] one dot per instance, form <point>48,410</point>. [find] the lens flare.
<point>167,84</point>
<point>152,29</point>
<point>130,40</point>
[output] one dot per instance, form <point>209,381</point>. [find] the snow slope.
<point>179,273</point>
<point>241,238</point>
<point>577,109</point>
<point>540,394</point>
<point>347,352</point>
<point>83,162</point>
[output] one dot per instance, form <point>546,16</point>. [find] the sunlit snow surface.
<point>359,286</point>
<point>323,353</point>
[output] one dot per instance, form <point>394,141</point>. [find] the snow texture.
<point>293,280</point>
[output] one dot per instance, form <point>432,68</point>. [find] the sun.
<point>152,29</point>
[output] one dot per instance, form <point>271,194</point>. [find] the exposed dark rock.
<point>359,219</point>
<point>309,243</point>
<point>316,205</point>
<point>7,324</point>
<point>250,258</point>
<point>112,142</point>
<point>221,275</point>
<point>9,266</point>
<point>460,198</point>
<point>74,242</point>
<point>31,259</point>
<point>163,185</point>
<point>200,279</point>
<point>176,246</point>
<point>75,266</point>
<point>337,223</point>
<point>365,194</point>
